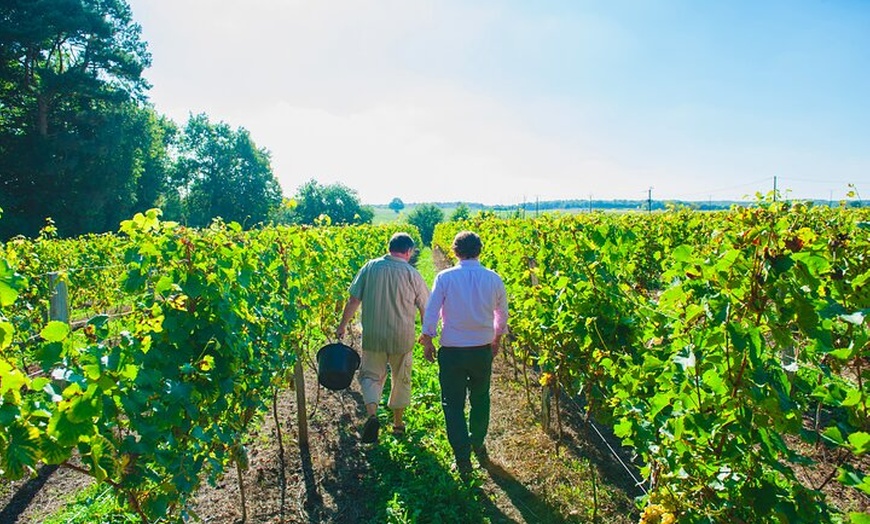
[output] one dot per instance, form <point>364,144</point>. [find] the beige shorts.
<point>373,376</point>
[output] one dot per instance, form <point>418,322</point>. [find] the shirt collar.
<point>469,262</point>
<point>394,259</point>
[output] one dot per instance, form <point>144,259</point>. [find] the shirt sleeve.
<point>422,291</point>
<point>433,309</point>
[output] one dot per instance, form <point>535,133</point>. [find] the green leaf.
<point>55,331</point>
<point>22,451</point>
<point>53,452</point>
<point>11,379</point>
<point>853,398</point>
<point>860,442</point>
<point>833,434</point>
<point>682,253</point>
<point>859,518</point>
<point>165,283</point>
<point>850,477</point>
<point>7,334</point>
<point>10,283</point>
<point>622,428</point>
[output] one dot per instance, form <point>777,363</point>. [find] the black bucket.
<point>336,364</point>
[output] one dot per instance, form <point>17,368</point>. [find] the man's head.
<point>466,244</point>
<point>401,243</point>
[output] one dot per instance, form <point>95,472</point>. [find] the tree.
<point>337,201</point>
<point>75,142</point>
<point>426,217</point>
<point>397,205</point>
<point>462,212</point>
<point>222,173</point>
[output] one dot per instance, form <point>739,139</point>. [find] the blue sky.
<point>502,102</point>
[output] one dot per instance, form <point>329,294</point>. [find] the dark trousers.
<point>465,372</point>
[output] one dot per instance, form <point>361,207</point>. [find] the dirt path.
<point>527,483</point>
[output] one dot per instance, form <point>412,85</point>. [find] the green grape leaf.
<point>7,334</point>
<point>11,379</point>
<point>833,434</point>
<point>10,283</point>
<point>860,442</point>
<point>22,450</point>
<point>55,331</point>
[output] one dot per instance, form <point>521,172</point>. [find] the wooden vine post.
<point>58,305</point>
<point>301,408</point>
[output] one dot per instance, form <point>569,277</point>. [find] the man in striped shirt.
<point>471,302</point>
<point>389,289</point>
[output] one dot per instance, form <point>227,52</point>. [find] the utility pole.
<point>590,202</point>
<point>774,188</point>
<point>649,200</point>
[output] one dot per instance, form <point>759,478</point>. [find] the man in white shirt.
<point>471,303</point>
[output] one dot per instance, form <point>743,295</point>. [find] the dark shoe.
<point>482,455</point>
<point>463,467</point>
<point>370,430</point>
<point>398,430</point>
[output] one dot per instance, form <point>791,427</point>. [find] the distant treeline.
<point>613,205</point>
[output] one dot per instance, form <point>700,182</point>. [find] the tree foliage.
<point>80,146</point>
<point>396,204</point>
<point>462,212</point>
<point>222,173</point>
<point>337,201</point>
<point>76,144</point>
<point>426,217</point>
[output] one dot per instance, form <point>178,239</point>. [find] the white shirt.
<point>471,302</point>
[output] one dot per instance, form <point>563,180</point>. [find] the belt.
<point>466,348</point>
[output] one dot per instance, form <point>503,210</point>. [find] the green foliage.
<point>462,212</point>
<point>336,201</point>
<point>706,340</point>
<point>396,204</point>
<point>224,175</point>
<point>71,129</point>
<point>425,218</point>
<point>94,504</point>
<point>216,318</point>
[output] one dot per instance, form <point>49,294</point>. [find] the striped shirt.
<point>391,291</point>
<point>471,302</point>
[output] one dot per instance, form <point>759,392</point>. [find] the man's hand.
<point>349,309</point>
<point>428,347</point>
<point>496,346</point>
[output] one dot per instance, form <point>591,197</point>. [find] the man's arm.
<point>349,310</point>
<point>430,320</point>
